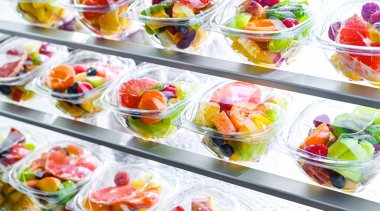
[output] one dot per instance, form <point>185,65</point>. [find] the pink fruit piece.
<point>112,195</point>
<point>334,29</point>
<point>14,137</point>
<point>121,178</point>
<point>178,208</point>
<point>84,87</point>
<point>170,88</point>
<point>19,151</point>
<point>321,119</point>
<point>137,86</point>
<point>197,4</point>
<point>318,149</point>
<point>79,69</point>
<point>156,1</point>
<point>14,65</point>
<point>368,9</point>
<point>290,22</point>
<point>14,52</point>
<point>237,92</point>
<point>268,2</point>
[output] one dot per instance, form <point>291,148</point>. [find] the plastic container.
<point>126,187</point>
<point>76,83</point>
<point>352,41</point>
<point>150,99</point>
<point>55,173</point>
<point>177,25</point>
<point>264,33</point>
<point>16,144</point>
<point>43,13</point>
<point>203,198</point>
<point>102,17</point>
<point>11,199</point>
<point>21,60</point>
<point>335,144</point>
<point>237,120</point>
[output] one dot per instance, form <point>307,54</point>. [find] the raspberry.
<point>79,69</point>
<point>121,178</point>
<point>290,22</point>
<point>368,9</point>
<point>268,2</point>
<point>318,149</point>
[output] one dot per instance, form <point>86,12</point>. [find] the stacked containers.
<point>150,99</point>
<point>102,17</point>
<point>177,25</point>
<point>126,187</point>
<point>267,33</point>
<point>21,61</point>
<point>55,173</point>
<point>238,120</point>
<point>351,38</point>
<point>76,83</point>
<point>336,144</point>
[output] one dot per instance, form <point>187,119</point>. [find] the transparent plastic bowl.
<point>18,70</point>
<point>41,176</point>
<point>261,36</point>
<point>85,105</point>
<point>156,184</point>
<point>356,60</point>
<point>103,20</point>
<point>252,139</point>
<point>338,170</point>
<point>43,13</point>
<point>11,199</point>
<point>187,32</point>
<point>165,121</point>
<point>222,200</point>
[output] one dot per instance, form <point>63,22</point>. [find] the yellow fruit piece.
<point>26,7</point>
<point>81,77</point>
<point>109,23</point>
<point>374,35</point>
<point>38,5</point>
<point>206,113</point>
<point>48,184</point>
<point>260,121</point>
<point>90,106</point>
<point>248,126</point>
<point>200,37</point>
<point>141,180</point>
<point>336,61</point>
<point>159,14</point>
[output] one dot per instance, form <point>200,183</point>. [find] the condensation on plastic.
<point>103,20</point>
<point>347,58</point>
<point>42,13</point>
<point>299,128</point>
<point>163,75</point>
<point>54,197</point>
<point>70,104</point>
<point>254,143</point>
<point>166,181</point>
<point>222,200</point>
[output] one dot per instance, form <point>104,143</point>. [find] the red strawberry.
<point>84,87</point>
<point>178,208</point>
<point>318,149</point>
<point>290,22</point>
<point>121,178</point>
<point>79,69</point>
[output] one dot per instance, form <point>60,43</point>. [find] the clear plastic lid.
<point>23,59</point>
<point>335,135</point>
<point>174,12</point>
<point>55,173</point>
<point>80,76</point>
<point>96,6</point>
<point>126,187</point>
<point>236,111</point>
<point>15,144</point>
<point>264,20</point>
<point>150,77</point>
<point>351,27</point>
<point>203,198</point>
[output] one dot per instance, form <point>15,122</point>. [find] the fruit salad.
<point>203,198</point>
<point>337,149</point>
<point>150,100</point>
<point>266,32</point>
<point>102,17</point>
<point>20,61</point>
<point>56,173</point>
<point>177,24</point>
<point>126,187</point>
<point>11,199</point>
<point>76,84</point>
<point>352,33</point>
<point>238,120</point>
<point>45,13</point>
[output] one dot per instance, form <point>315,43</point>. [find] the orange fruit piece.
<point>321,135</point>
<point>239,113</point>
<point>261,25</point>
<point>152,100</point>
<point>61,77</point>
<point>143,198</point>
<point>74,149</point>
<point>223,123</point>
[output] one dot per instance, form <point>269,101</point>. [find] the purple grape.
<point>187,40</point>
<point>333,30</point>
<point>368,9</point>
<point>68,26</point>
<point>377,147</point>
<point>321,119</point>
<point>375,18</point>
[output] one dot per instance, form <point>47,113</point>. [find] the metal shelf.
<point>257,180</point>
<point>321,87</point>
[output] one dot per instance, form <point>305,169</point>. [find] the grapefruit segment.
<point>136,86</point>
<point>223,123</point>
<point>112,195</point>
<point>11,65</point>
<point>237,92</point>
<point>354,32</point>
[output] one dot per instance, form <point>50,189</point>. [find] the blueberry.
<point>217,141</point>
<point>337,180</point>
<point>73,89</point>
<point>39,174</point>
<point>91,71</point>
<point>5,90</point>
<point>227,150</point>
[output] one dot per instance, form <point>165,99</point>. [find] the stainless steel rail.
<point>295,82</point>
<point>257,180</point>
